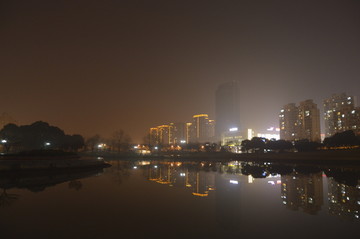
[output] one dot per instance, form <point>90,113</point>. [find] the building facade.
<point>227,109</point>
<point>340,114</point>
<point>300,122</point>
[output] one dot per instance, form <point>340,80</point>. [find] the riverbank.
<point>326,156</point>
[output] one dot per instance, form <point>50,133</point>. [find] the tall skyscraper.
<point>288,122</point>
<point>309,121</point>
<point>300,122</point>
<point>178,135</point>
<point>227,109</point>
<point>201,127</point>
<point>340,114</point>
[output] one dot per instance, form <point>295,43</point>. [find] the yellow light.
<point>200,115</point>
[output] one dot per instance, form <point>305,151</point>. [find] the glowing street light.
<point>4,141</point>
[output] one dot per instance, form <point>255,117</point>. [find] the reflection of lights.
<point>278,182</point>
<point>271,182</point>
<point>234,182</point>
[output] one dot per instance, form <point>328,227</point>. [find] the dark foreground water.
<point>183,200</point>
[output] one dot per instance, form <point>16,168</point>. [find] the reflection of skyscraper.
<point>302,191</point>
<point>227,108</point>
<point>228,203</point>
<point>344,200</point>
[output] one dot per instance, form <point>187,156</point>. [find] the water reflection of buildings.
<point>302,191</point>
<point>173,174</point>
<point>344,200</point>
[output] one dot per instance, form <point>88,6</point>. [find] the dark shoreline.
<point>338,157</point>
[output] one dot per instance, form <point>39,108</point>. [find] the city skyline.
<point>98,67</point>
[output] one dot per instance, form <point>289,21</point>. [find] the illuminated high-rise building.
<point>190,133</point>
<point>178,135</point>
<point>288,122</point>
<point>300,122</point>
<point>340,114</point>
<point>154,136</point>
<point>164,134</point>
<point>309,121</point>
<point>201,127</point>
<point>227,109</point>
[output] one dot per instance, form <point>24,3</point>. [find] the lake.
<point>169,199</point>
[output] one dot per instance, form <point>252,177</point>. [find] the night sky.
<point>97,66</point>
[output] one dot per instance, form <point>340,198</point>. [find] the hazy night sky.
<point>97,66</point>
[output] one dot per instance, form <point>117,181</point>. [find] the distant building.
<point>190,133</point>
<point>288,122</point>
<point>203,128</point>
<point>178,134</point>
<point>164,134</point>
<point>300,122</point>
<point>309,121</point>
<point>233,137</point>
<point>154,136</point>
<point>340,114</point>
<point>227,109</point>
<point>272,133</point>
<point>199,131</point>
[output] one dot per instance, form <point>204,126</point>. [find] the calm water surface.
<point>146,199</point>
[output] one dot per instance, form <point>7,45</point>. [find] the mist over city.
<point>197,118</point>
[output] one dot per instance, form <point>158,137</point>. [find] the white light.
<point>135,147</point>
<point>271,182</point>
<point>155,147</point>
<point>183,141</point>
<point>47,143</point>
<point>234,182</point>
<point>4,141</point>
<point>134,167</point>
<point>182,174</point>
<point>233,129</point>
<point>155,166</point>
